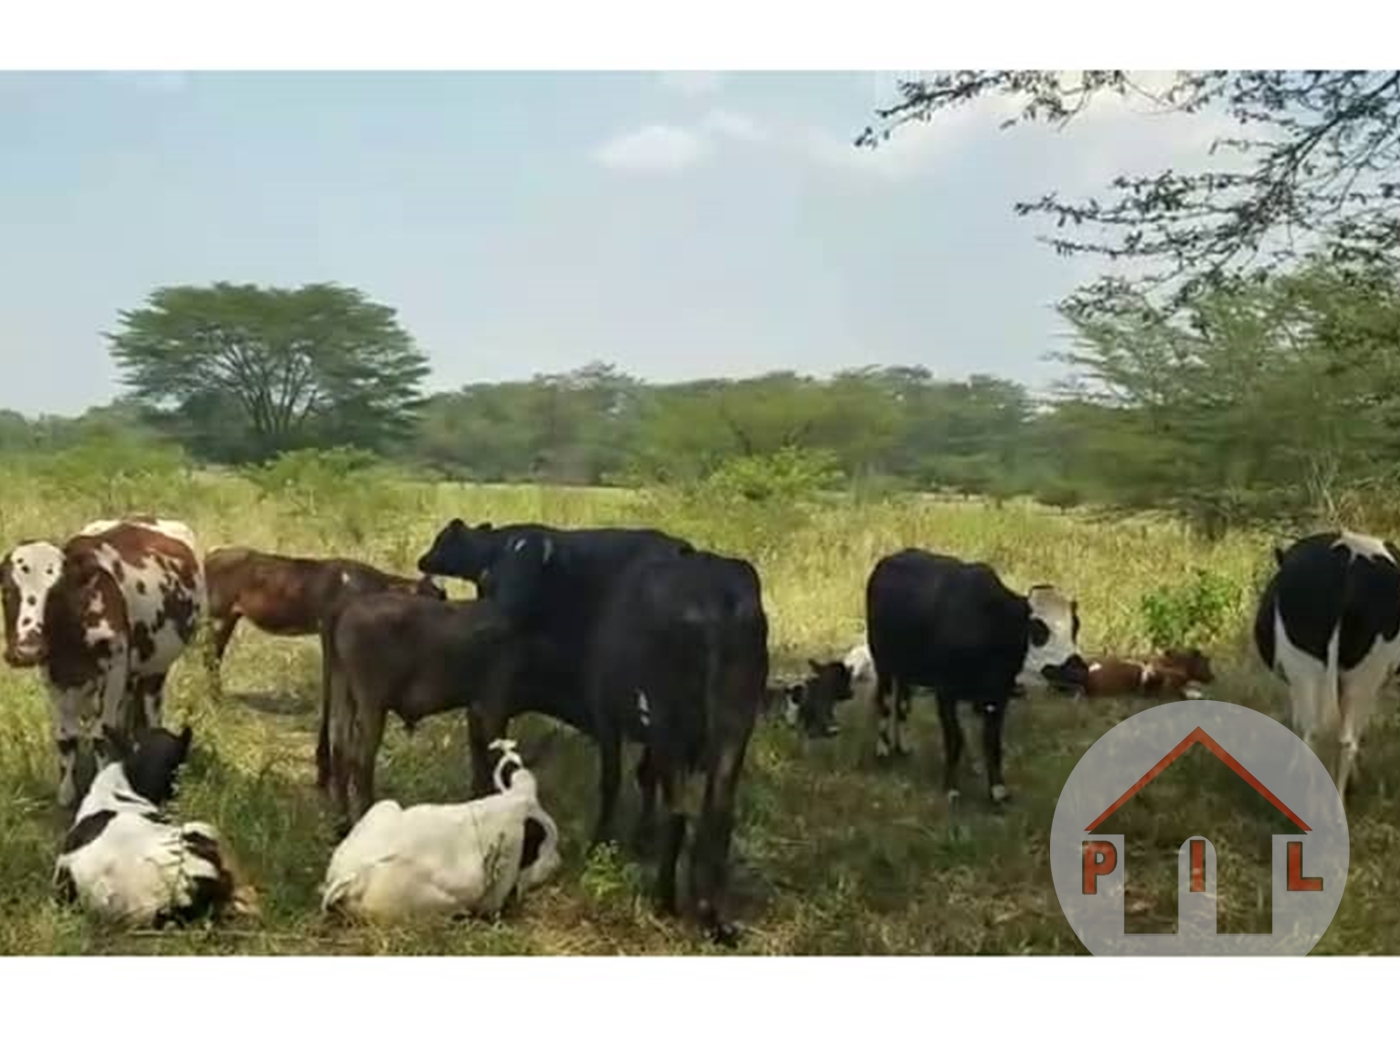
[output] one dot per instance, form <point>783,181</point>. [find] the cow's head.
<point>152,764</point>
<point>1193,663</point>
<point>515,580</point>
<point>460,550</point>
<point>427,587</point>
<point>812,704</point>
<point>1052,645</point>
<point>27,574</point>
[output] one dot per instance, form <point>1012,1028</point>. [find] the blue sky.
<point>676,225</point>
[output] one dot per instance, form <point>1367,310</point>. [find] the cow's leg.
<point>223,634</point>
<point>1357,697</point>
<point>113,708</point>
<point>993,719</point>
<point>150,696</point>
<point>673,789</point>
<point>883,713</point>
<point>67,708</point>
<point>646,785</point>
<point>710,855</point>
<point>952,743</point>
<point>902,700</point>
<point>368,733</point>
<point>610,779</point>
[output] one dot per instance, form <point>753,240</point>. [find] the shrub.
<point>1192,613</point>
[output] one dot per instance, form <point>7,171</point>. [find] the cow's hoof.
<point>953,795</point>
<point>724,934</point>
<point>1000,796</point>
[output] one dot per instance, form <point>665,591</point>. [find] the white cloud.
<point>654,148</point>
<point>692,83</point>
<point>733,125</point>
<point>1112,135</point>
<point>671,147</point>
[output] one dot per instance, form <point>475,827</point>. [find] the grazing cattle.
<point>289,596</point>
<point>125,861</point>
<point>553,582</point>
<point>679,665</point>
<point>446,860</point>
<point>953,626</point>
<point>104,616</point>
<point>412,656</point>
<point>1173,674</point>
<point>811,703</point>
<point>1328,624</point>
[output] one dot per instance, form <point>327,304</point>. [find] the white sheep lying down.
<point>445,860</point>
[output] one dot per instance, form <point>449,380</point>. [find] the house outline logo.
<point>1309,860</point>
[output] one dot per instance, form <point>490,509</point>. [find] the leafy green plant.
<point>786,476</point>
<point>1195,612</point>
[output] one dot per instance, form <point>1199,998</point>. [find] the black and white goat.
<point>445,860</point>
<point>125,861</point>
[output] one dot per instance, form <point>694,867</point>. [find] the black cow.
<point>1328,624</point>
<point>810,704</point>
<point>953,626</point>
<point>553,586</point>
<point>678,663</point>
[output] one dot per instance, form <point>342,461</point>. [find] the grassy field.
<point>833,855</point>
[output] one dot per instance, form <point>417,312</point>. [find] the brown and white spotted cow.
<point>104,616</point>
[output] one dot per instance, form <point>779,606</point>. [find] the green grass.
<point>833,855</point>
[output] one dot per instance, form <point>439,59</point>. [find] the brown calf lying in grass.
<point>1174,675</point>
<point>288,596</point>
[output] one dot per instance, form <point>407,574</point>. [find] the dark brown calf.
<point>289,596</point>
<point>410,655</point>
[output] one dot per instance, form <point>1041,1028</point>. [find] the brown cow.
<point>103,616</point>
<point>415,657</point>
<point>287,596</point>
<point>1172,674</point>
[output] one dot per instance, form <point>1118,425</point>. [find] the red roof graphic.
<point>1200,736</point>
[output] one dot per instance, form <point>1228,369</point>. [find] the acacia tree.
<point>1316,161</point>
<point>319,364</point>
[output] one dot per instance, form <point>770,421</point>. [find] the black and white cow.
<point>124,860</point>
<point>953,626</point>
<point>1328,624</point>
<point>678,662</point>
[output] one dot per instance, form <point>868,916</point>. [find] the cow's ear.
<point>186,736</point>
<point>816,667</point>
<point>1040,633</point>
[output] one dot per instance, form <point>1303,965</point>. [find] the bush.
<point>113,477</point>
<point>790,475</point>
<point>341,489</point>
<point>1192,613</point>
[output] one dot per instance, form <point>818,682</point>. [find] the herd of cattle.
<point>626,635</point>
